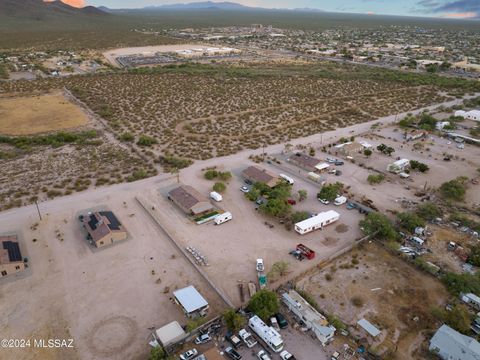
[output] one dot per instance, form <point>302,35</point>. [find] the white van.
<point>216,196</point>
<point>417,241</point>
<point>221,218</point>
<point>288,179</point>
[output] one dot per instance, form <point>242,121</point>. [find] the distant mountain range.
<point>40,10</point>
<point>205,5</point>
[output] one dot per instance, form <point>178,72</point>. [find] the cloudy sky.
<point>438,8</point>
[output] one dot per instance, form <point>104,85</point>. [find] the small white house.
<point>399,166</point>
<point>441,125</point>
<point>317,222</point>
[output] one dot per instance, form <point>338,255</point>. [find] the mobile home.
<point>317,222</point>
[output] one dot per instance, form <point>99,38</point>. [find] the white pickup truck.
<point>247,338</point>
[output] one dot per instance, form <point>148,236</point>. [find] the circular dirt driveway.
<point>112,335</point>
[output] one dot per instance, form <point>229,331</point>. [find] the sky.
<point>436,8</point>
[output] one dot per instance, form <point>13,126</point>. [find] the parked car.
<point>190,354</point>
<point>330,160</point>
<point>244,189</point>
<point>260,265</point>
<point>282,322</point>
<point>324,202</point>
<point>350,206</point>
<point>338,173</point>
<point>202,339</point>
<point>274,323</point>
<point>248,182</point>
<point>262,355</point>
<point>233,339</point>
<point>338,162</point>
<point>232,353</point>
<point>285,355</point>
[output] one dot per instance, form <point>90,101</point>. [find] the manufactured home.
<point>317,222</point>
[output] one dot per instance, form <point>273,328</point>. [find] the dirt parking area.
<point>232,248</point>
<point>39,114</point>
<point>371,283</point>
<point>106,300</point>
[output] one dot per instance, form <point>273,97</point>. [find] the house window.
<point>4,273</point>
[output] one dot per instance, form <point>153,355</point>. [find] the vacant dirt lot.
<point>39,114</point>
<point>106,300</point>
<point>372,284</point>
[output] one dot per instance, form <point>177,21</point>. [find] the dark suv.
<point>282,322</point>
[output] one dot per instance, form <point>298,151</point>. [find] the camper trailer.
<point>221,218</point>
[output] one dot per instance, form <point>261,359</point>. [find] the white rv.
<point>288,179</point>
<point>268,334</point>
<point>221,218</point>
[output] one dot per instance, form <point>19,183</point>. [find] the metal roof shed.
<point>190,299</point>
<point>170,333</point>
<point>368,327</point>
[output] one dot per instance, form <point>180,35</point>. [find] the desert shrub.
<point>219,187</point>
<point>329,192</point>
<point>416,165</point>
<point>225,176</point>
<point>428,211</point>
<point>379,226</point>
<point>210,174</point>
<point>127,137</point>
<point>145,140</point>
<point>357,301</point>
<point>375,178</point>
<point>462,283</point>
<point>454,189</point>
<point>298,216</point>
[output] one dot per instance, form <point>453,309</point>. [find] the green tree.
<point>428,211</point>
<point>417,165</point>
<point>409,221</point>
<point>302,194</point>
<point>233,320</point>
<point>264,304</point>
<point>210,174</point>
<point>276,207</point>
<point>312,151</point>
<point>157,353</point>
<point>279,269</point>
<point>219,187</point>
<point>330,191</point>
<point>298,216</point>
<point>378,225</point>
<point>367,152</point>
<point>459,318</point>
<point>454,189</point>
<point>462,283</point>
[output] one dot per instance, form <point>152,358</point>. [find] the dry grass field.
<point>371,283</point>
<point>39,114</point>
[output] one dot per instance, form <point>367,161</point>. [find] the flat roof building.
<point>349,148</point>
<point>368,327</point>
<point>304,161</point>
<point>103,228</point>
<point>449,344</point>
<point>192,302</point>
<point>170,334</point>
<point>11,260</point>
<point>256,174</point>
<point>190,200</point>
<point>398,166</point>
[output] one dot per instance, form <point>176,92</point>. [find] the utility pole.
<point>38,210</point>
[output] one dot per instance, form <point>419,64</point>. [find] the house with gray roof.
<point>449,344</point>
